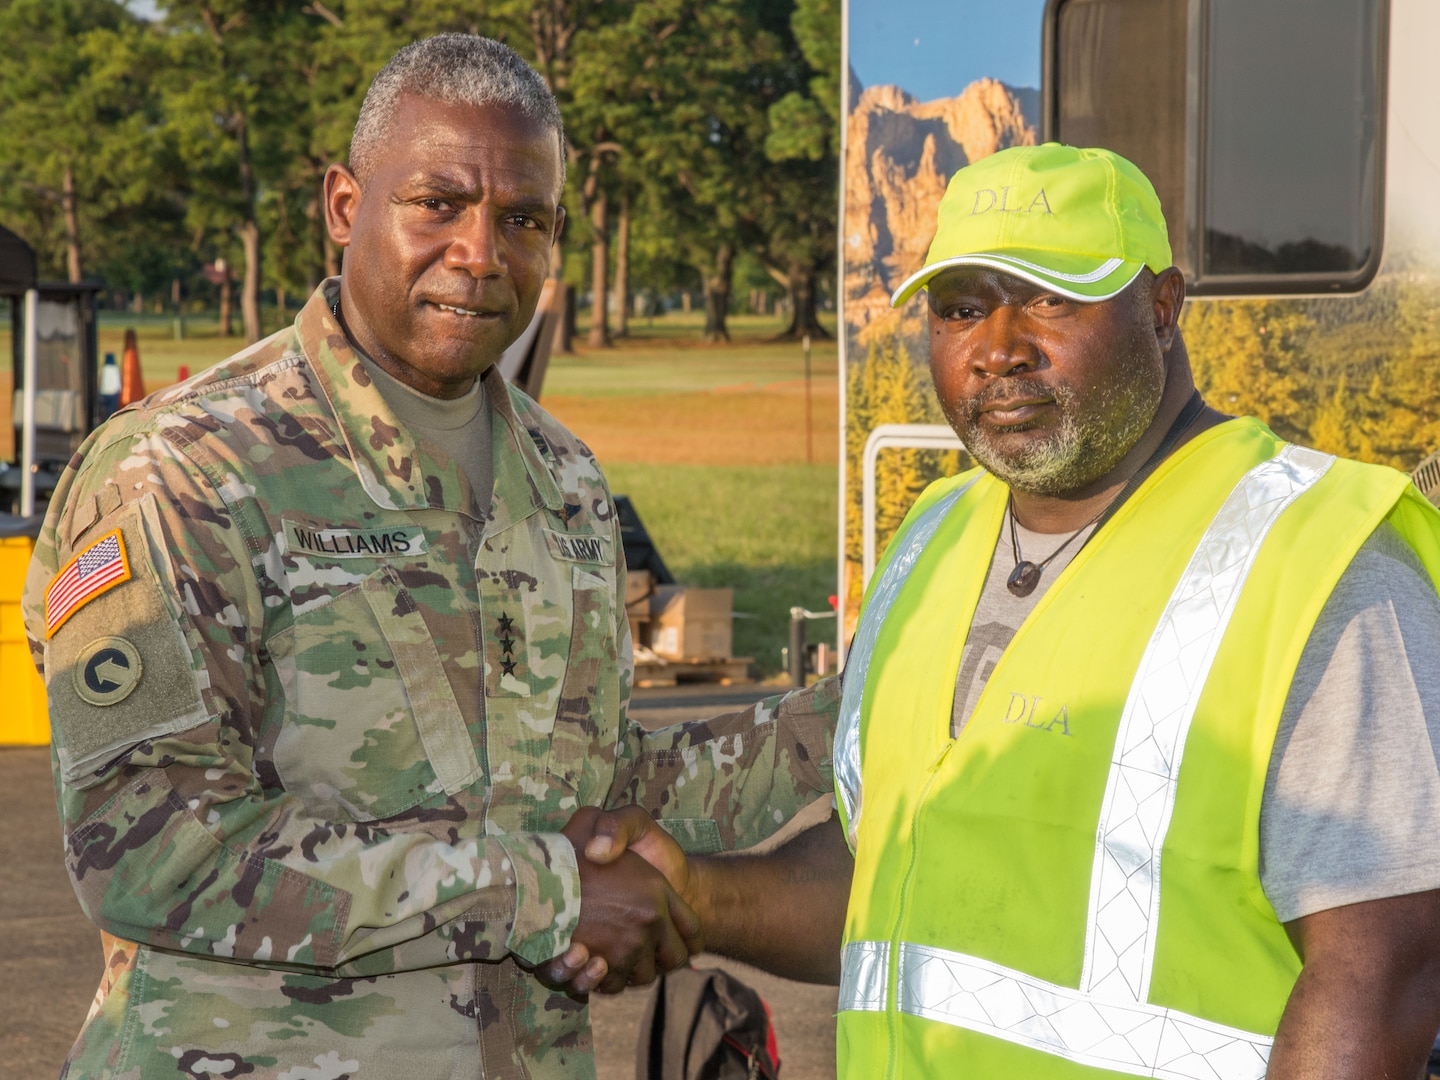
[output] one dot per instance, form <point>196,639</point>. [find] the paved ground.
<point>50,955</point>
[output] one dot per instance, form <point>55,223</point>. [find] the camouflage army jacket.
<point>316,727</point>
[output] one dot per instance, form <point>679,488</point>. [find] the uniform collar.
<point>394,470</point>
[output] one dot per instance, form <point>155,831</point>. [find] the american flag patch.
<point>98,568</point>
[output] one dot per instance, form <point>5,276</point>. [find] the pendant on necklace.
<point>1023,578</point>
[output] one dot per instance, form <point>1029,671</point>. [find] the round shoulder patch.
<point>107,671</point>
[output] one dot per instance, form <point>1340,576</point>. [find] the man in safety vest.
<point>1137,748</point>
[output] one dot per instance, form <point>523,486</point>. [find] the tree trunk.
<point>566,343</point>
<point>250,288</point>
<point>227,298</point>
<point>322,254</point>
<point>622,268</point>
<point>717,294</point>
<point>565,335</point>
<point>599,272</point>
<point>249,236</point>
<point>685,301</point>
<point>804,319</point>
<point>72,224</point>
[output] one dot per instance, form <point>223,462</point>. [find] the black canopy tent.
<point>52,326</point>
<point>17,264</point>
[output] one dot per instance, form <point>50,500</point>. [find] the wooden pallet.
<point>729,671</point>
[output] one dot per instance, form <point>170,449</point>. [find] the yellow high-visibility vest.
<point>1071,887</point>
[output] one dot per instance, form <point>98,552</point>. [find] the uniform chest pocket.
<point>527,617</point>
<point>587,716</point>
<point>371,726</point>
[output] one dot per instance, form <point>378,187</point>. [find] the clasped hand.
<point>634,919</point>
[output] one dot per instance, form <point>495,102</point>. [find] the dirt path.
<point>736,426</point>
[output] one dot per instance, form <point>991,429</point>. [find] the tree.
<point>794,215</point>
<point>232,88</point>
<point>1402,421</point>
<point>678,89</point>
<point>550,32</point>
<point>1248,358</point>
<point>798,215</point>
<point>80,149</point>
<point>155,151</point>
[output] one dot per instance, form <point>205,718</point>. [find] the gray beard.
<point>1083,448</point>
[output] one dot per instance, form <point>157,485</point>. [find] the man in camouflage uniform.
<point>328,719</point>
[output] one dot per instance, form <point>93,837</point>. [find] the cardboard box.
<point>691,624</point>
<point>638,586</point>
<point>639,633</point>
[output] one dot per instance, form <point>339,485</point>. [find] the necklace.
<point>1026,575</point>
<point>335,307</point>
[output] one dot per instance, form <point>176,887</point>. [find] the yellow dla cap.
<point>1080,222</point>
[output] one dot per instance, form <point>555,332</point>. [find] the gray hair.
<point>456,69</point>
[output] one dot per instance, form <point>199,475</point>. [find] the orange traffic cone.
<point>132,382</point>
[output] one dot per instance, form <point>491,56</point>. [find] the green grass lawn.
<point>769,532</point>
<point>669,357</point>
<point>664,356</point>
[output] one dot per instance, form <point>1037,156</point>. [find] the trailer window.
<point>1259,122</point>
<point>1099,98</point>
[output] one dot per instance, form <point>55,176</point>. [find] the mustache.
<point>1016,388</point>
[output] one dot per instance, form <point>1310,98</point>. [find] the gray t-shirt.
<point>1352,797</point>
<point>460,427</point>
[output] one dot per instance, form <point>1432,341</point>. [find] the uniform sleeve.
<point>177,833</point>
<point>731,781</point>
<point>1353,790</point>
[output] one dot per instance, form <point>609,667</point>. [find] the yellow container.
<point>23,717</point>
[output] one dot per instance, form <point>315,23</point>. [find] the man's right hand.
<point>783,911</point>
<point>633,922</point>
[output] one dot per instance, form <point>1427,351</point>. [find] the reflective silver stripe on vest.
<point>864,972</point>
<point>857,666</point>
<point>1140,790</point>
<point>1133,1038</point>
<point>1108,1022</point>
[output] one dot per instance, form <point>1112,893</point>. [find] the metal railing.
<point>894,437</point>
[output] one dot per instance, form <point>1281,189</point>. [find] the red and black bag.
<point>706,1025</point>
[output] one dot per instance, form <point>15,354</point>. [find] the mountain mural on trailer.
<point>900,154</point>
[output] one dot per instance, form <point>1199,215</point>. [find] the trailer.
<point>1296,152</point>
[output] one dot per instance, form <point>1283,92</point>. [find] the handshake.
<point>646,909</point>
<point>638,904</point>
